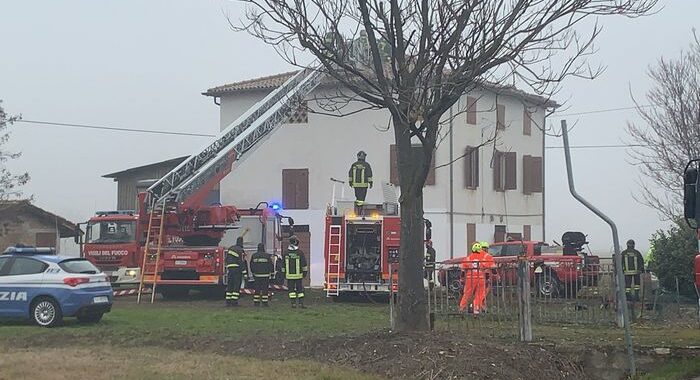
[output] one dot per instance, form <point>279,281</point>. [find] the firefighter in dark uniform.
<point>633,267</point>
<point>295,270</point>
<point>235,270</point>
<point>429,273</point>
<point>360,178</point>
<point>261,269</point>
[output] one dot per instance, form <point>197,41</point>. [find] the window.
<point>471,168</point>
<point>527,122</point>
<point>471,235</point>
<point>115,231</point>
<point>3,262</point>
<point>504,171</point>
<point>295,189</point>
<point>527,232</point>
<point>417,155</point>
<point>533,179</point>
<point>45,239</point>
<point>23,265</point>
<point>514,236</point>
<point>499,234</point>
<point>500,116</point>
<point>513,250</point>
<point>471,110</point>
<point>78,266</point>
<point>300,115</point>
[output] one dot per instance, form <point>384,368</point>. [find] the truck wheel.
<point>89,317</point>
<point>548,286</point>
<point>174,292</point>
<point>45,312</point>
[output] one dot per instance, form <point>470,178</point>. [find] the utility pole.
<point>619,275</point>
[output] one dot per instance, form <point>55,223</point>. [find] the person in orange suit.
<point>476,268</point>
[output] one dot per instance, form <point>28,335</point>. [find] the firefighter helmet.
<point>630,243</point>
<point>485,245</point>
<point>361,155</point>
<point>476,247</point>
<point>293,242</point>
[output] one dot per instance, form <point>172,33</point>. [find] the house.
<point>492,190</point>
<point>22,222</point>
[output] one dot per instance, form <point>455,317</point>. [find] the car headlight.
<point>131,273</point>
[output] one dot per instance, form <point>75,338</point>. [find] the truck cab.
<point>111,245</point>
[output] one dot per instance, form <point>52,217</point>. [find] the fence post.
<point>524,311</point>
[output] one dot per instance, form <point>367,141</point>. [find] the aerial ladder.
<point>184,189</point>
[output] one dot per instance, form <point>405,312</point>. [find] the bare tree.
<point>9,182</point>
<point>668,137</point>
<point>416,58</point>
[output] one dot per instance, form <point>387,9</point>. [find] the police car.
<point>37,284</point>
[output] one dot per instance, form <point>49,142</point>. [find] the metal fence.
<point>561,291</point>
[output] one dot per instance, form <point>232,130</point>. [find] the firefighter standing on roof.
<point>476,267</point>
<point>235,270</point>
<point>295,270</point>
<point>360,178</point>
<point>261,269</point>
<point>633,267</point>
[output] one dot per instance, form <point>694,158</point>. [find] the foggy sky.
<point>143,64</point>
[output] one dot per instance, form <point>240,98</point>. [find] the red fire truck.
<point>361,250</point>
<point>172,242</point>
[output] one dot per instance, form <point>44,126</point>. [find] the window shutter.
<point>527,232</point>
<point>537,181</point>
<point>527,122</point>
<point>295,189</point>
<point>471,235</point>
<point>511,171</point>
<point>500,116</point>
<point>527,174</point>
<point>302,189</point>
<point>288,190</point>
<point>471,110</point>
<point>393,166</point>
<point>471,167</point>
<point>497,166</point>
<point>499,234</point>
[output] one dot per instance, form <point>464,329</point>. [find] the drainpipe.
<point>452,211</point>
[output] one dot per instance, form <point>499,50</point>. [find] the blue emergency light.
<point>27,250</point>
<point>276,206</point>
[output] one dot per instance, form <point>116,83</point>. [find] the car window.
<point>495,250</point>
<point>78,266</point>
<point>3,262</point>
<point>23,265</point>
<point>507,250</point>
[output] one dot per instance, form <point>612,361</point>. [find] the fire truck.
<point>361,250</point>
<point>171,243</point>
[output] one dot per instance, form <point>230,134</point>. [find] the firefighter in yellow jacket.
<point>360,178</point>
<point>236,269</point>
<point>295,270</point>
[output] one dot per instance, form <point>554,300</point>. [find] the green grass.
<point>676,370</point>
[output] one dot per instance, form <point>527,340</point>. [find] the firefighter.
<point>235,270</point>
<point>360,178</point>
<point>295,270</point>
<point>633,267</point>
<point>261,269</point>
<point>429,271</point>
<point>476,267</point>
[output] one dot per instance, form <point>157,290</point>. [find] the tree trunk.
<point>412,310</point>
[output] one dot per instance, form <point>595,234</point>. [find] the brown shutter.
<point>302,189</point>
<point>393,166</point>
<point>45,239</point>
<point>527,174</point>
<point>497,165</point>
<point>511,171</point>
<point>471,167</point>
<point>471,235</point>
<point>527,232</point>
<point>500,116</point>
<point>288,189</point>
<point>471,110</point>
<point>527,122</point>
<point>537,181</point>
<point>499,234</point>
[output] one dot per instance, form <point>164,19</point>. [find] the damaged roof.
<point>65,227</point>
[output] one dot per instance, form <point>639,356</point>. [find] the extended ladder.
<point>239,138</point>
<point>334,253</point>
<point>156,225</point>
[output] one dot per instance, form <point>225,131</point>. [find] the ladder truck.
<point>691,209</point>
<point>173,242</point>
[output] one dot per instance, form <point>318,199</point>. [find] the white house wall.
<point>328,145</point>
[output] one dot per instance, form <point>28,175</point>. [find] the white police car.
<point>37,284</point>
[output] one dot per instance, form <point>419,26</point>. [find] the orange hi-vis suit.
<point>476,267</point>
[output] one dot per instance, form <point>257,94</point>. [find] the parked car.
<point>39,285</point>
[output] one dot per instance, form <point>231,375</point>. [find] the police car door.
<point>20,280</point>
